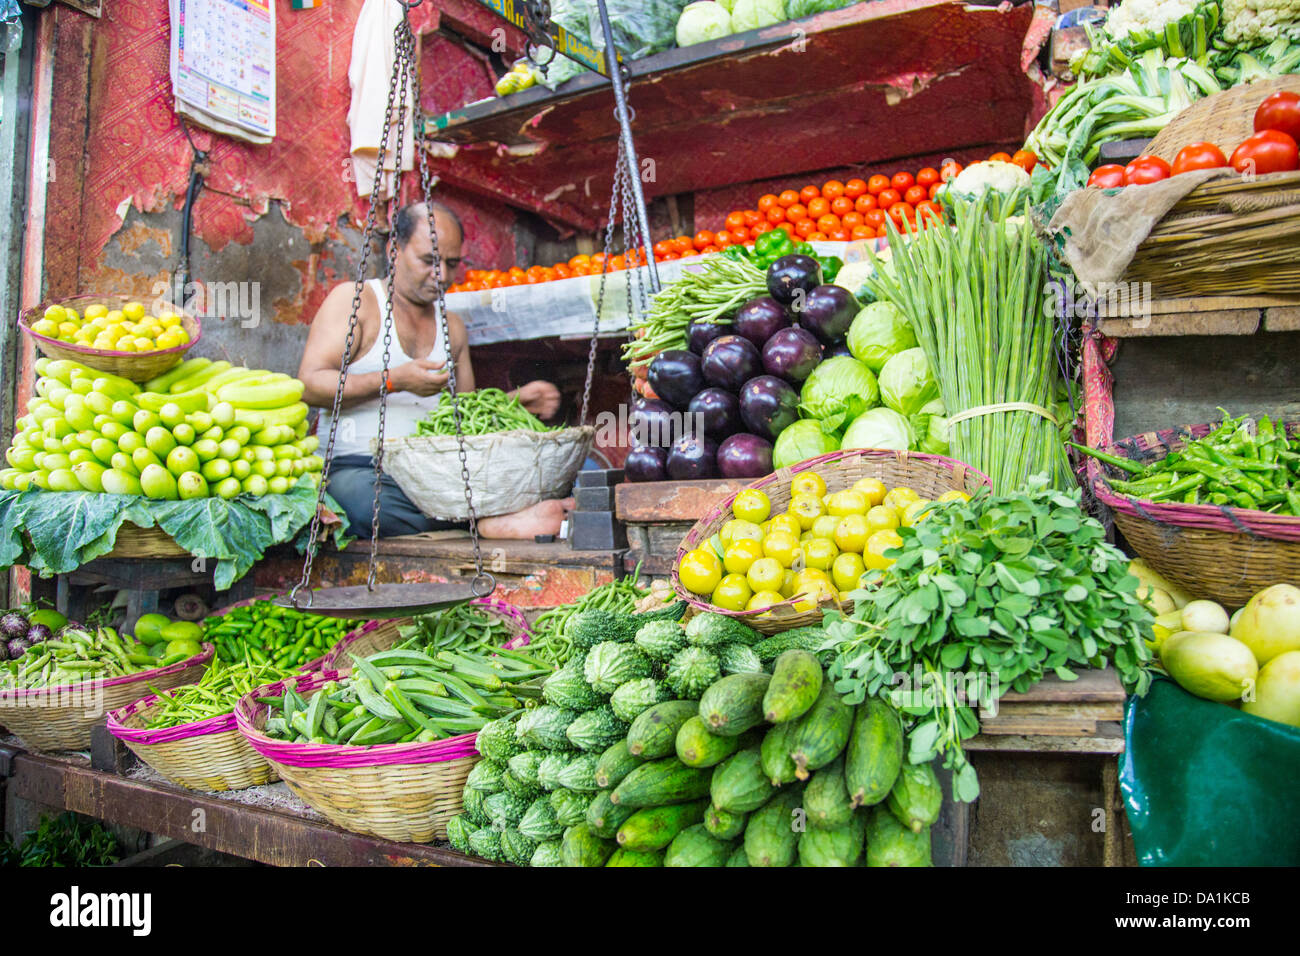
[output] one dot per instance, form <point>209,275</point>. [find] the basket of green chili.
<point>1213,507</point>
<point>502,440</point>
<point>189,734</point>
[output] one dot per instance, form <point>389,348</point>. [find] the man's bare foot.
<point>544,517</point>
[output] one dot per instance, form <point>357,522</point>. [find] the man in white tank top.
<point>417,376</point>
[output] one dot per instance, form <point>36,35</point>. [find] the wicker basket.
<point>205,755</point>
<point>61,718</point>
<point>386,634</point>
<point>132,541</point>
<point>1230,236</point>
<point>137,366</point>
<point>401,792</point>
<point>1222,553</point>
<point>929,475</point>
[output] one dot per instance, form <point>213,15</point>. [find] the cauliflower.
<point>1248,23</point>
<point>1153,15</point>
<point>1008,183</point>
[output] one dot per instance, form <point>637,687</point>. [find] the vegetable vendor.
<point>417,378</point>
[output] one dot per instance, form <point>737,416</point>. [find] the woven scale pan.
<point>401,792</point>
<point>61,718</point>
<point>204,755</point>
<point>928,475</point>
<point>1222,553</point>
<point>1231,236</point>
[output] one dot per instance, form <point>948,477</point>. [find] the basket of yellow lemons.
<point>114,334</point>
<point>780,551</point>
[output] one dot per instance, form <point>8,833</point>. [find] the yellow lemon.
<point>786,523</point>
<point>851,533</point>
<point>873,488</point>
<point>873,556</point>
<point>916,511</point>
<point>806,509</point>
<point>787,585</point>
<point>143,344</point>
<point>68,328</point>
<point>169,320</point>
<point>953,495</point>
<point>71,315</point>
<point>741,555</point>
<point>824,527</point>
<point>700,571</point>
<point>168,340</point>
<point>46,327</point>
<point>820,553</point>
<point>765,575</point>
<point>739,530</point>
<point>809,576</point>
<point>882,518</point>
<point>808,597</point>
<point>763,599</point>
<point>900,497</point>
<point>55,314</point>
<point>751,505</point>
<point>115,315</point>
<point>133,311</point>
<point>732,593</point>
<point>783,547</point>
<point>846,571</point>
<point>847,503</point>
<point>807,483</point>
<point>126,344</point>
<point>96,311</point>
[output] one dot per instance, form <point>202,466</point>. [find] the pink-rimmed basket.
<point>929,475</point>
<point>206,754</point>
<point>388,635</point>
<point>137,366</point>
<point>61,718</point>
<point>402,792</point>
<point>370,630</point>
<point>1223,553</point>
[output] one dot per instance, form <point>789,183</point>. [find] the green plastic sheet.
<point>1206,785</point>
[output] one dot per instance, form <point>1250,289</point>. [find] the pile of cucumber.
<point>620,767</point>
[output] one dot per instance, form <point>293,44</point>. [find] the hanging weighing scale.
<point>374,600</point>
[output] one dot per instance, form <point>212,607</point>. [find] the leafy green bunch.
<point>1009,587</point>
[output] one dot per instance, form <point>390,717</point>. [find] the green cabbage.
<point>795,9</point>
<point>880,428</point>
<point>703,20</point>
<point>906,382</point>
<point>752,14</point>
<point>837,391</point>
<point>936,439</point>
<point>879,332</point>
<point>800,441</point>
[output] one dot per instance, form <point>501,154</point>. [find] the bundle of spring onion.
<point>482,412</point>
<point>215,694</point>
<point>709,293</point>
<point>974,295</point>
<point>550,642</point>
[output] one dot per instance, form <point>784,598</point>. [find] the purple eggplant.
<point>730,362</point>
<point>693,456</point>
<point>653,422</point>
<point>715,412</point>
<point>646,464</point>
<point>18,647</point>
<point>836,350</point>
<point>759,319</point>
<point>38,633</point>
<point>791,275</point>
<point>827,312</point>
<point>768,405</point>
<point>700,334</point>
<point>675,376</point>
<point>792,354</point>
<point>13,624</point>
<point>745,456</point>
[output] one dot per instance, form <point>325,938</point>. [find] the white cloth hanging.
<point>370,74</point>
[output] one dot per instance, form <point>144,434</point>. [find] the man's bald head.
<point>413,276</point>
<point>413,213</point>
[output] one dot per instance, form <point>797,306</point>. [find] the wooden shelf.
<point>865,84</point>
<point>1207,315</point>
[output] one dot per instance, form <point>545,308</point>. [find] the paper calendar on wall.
<point>223,65</point>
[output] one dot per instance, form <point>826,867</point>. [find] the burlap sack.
<point>508,471</point>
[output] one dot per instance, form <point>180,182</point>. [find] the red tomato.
<point>796,213</point>
<point>927,210</point>
<point>851,219</point>
<point>804,228</point>
<point>865,203</point>
<point>1110,176</point>
<point>916,194</point>
<point>828,223</point>
<point>723,239</point>
<point>761,228</point>
<point>736,220</point>
<point>841,235</point>
<point>863,232</point>
<point>833,189</point>
<point>788,198</point>
<point>1144,170</point>
<point>707,249</point>
<point>786,227</point>
<point>888,198</point>
<point>877,184</point>
<point>902,182</point>
<point>703,238</point>
<point>934,189</point>
<point>950,169</point>
<point>775,214</point>
<point>841,204</point>
<point>1198,156</point>
<point>739,233</point>
<point>663,248</point>
<point>855,188</point>
<point>818,207</point>
<point>808,194</point>
<point>927,177</point>
<point>752,218</point>
<point>667,257</point>
<point>767,202</point>
<point>1025,159</point>
<point>875,218</point>
<point>900,211</point>
<point>815,237</point>
<point>1281,112</point>
<point>1266,152</point>
<point>1000,158</point>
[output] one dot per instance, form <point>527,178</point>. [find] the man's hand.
<point>540,398</point>
<point>419,377</point>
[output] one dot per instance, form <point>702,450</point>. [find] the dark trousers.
<point>352,484</point>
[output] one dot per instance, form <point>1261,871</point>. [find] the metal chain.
<point>313,538</point>
<point>619,174</point>
<point>484,583</point>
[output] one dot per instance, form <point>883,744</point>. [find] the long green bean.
<point>482,412</point>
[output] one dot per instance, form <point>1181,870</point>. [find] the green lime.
<point>189,648</point>
<point>148,629</point>
<point>182,631</point>
<point>49,617</point>
<point>158,650</point>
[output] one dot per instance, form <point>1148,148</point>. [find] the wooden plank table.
<point>217,821</point>
<point>659,513</point>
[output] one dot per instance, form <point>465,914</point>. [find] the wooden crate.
<point>659,513</point>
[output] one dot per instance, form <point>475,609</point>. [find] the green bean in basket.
<point>215,694</point>
<point>462,627</point>
<point>275,635</point>
<point>482,412</point>
<point>77,655</point>
<point>404,695</point>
